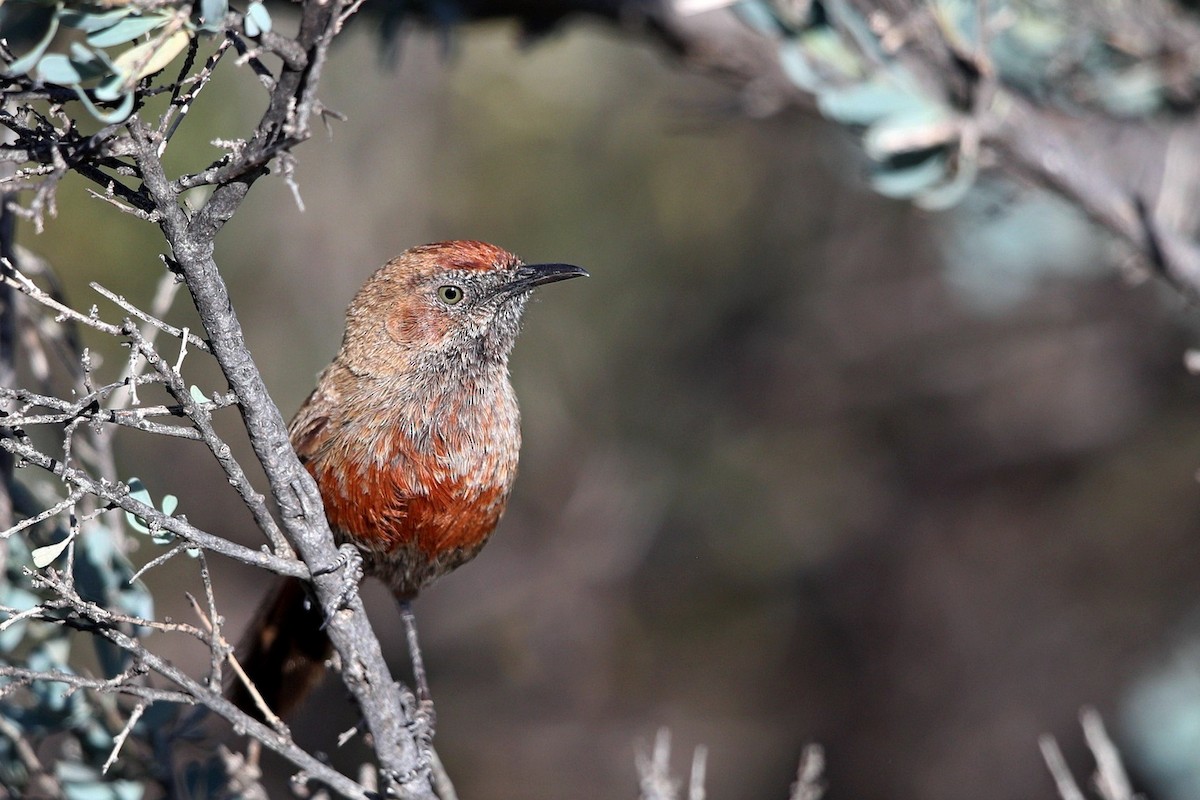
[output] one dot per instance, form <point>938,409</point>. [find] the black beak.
<point>528,276</point>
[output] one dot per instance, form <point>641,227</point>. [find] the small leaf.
<point>57,68</point>
<point>74,772</point>
<point>126,30</point>
<point>922,128</point>
<point>759,16</point>
<point>26,62</point>
<point>798,68</point>
<point>908,181</point>
<point>90,63</point>
<point>868,102</point>
<point>87,790</point>
<point>45,556</point>
<point>89,22</point>
<point>212,14</point>
<point>51,655</point>
<point>258,21</point>
<point>111,88</point>
<point>150,57</point>
<point>128,790</point>
<point>12,636</point>
<point>19,599</point>
<point>198,395</point>
<point>169,504</point>
<point>939,198</point>
<point>118,114</point>
<point>137,491</point>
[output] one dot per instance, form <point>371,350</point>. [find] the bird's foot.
<point>422,719</point>
<point>350,560</point>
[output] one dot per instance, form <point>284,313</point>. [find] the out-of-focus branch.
<point>1110,778</point>
<point>1132,175</point>
<point>655,780</point>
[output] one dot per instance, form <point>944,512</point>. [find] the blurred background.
<point>801,463</point>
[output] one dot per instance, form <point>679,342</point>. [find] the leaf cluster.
<point>102,53</point>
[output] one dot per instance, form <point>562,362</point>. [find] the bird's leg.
<point>424,699</point>
<point>352,561</point>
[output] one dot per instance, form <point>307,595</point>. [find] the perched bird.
<point>412,435</point>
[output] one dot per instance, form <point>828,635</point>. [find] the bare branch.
<point>171,330</point>
<point>117,495</point>
<point>1064,781</point>
<point>119,740</point>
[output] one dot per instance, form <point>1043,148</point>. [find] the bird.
<point>412,435</point>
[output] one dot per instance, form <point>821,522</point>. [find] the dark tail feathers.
<point>283,652</point>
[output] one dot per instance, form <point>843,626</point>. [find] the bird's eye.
<point>450,294</point>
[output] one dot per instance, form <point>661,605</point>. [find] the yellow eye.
<point>450,294</point>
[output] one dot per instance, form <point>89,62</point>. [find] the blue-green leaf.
<point>912,180</point>
<point>868,102</point>
<point>111,88</point>
<point>796,66</point>
<point>850,20</point>
<point>212,14</point>
<point>258,21</point>
<point>113,117</point>
<point>126,30</point>
<point>137,490</point>
<point>25,63</point>
<point>939,198</point>
<point>88,21</point>
<point>758,16</point>
<point>922,128</point>
<point>90,63</point>
<point>57,68</point>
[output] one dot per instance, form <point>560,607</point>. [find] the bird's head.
<point>451,305</point>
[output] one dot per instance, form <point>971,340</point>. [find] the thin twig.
<point>119,740</point>
<point>133,310</point>
<point>221,646</point>
<point>54,510</point>
<point>118,496</point>
<point>200,415</point>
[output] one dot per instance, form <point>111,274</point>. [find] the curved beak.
<point>528,276</point>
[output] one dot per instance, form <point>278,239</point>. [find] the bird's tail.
<point>283,652</point>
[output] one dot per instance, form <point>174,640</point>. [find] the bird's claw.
<point>350,560</point>
<point>421,719</point>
